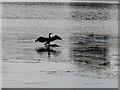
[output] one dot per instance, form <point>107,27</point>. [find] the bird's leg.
<point>48,53</point>
<point>48,48</point>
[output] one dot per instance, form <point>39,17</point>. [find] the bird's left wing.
<point>41,39</point>
<point>56,38</point>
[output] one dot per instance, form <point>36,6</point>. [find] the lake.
<point>87,56</point>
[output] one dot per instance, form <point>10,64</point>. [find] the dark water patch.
<point>91,49</point>
<point>92,4</point>
<point>85,49</point>
<point>90,15</point>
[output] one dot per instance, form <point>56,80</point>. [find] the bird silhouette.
<point>48,40</point>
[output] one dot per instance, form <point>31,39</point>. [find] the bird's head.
<point>50,34</point>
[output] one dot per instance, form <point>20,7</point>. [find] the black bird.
<point>91,35</point>
<point>48,40</point>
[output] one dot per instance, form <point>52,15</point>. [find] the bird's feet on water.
<point>47,45</point>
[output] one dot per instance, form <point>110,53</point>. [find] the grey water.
<point>87,55</point>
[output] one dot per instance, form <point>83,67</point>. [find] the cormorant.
<point>91,35</point>
<point>48,40</point>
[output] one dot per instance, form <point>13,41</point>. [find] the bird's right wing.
<point>41,39</point>
<point>56,38</point>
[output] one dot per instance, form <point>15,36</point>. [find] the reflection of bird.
<point>48,40</point>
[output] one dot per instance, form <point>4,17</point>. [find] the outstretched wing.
<point>41,39</point>
<point>56,38</point>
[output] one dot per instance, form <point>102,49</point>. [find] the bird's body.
<point>48,40</point>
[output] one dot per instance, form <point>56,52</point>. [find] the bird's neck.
<point>49,36</point>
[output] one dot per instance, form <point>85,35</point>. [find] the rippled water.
<point>81,60</point>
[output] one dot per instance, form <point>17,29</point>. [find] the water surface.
<point>81,60</point>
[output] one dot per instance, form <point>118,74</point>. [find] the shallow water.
<point>80,60</point>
